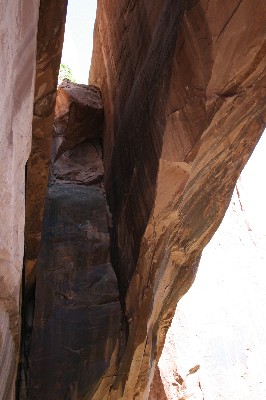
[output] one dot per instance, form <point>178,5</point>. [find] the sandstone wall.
<point>51,26</point>
<point>184,96</point>
<point>179,128</point>
<point>18,32</point>
<point>219,325</point>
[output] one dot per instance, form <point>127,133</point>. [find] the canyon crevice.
<point>124,187</point>
<point>77,315</point>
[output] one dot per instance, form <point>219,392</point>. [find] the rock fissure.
<point>182,86</point>
<point>83,316</point>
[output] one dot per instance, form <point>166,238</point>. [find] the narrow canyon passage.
<point>77,308</point>
<point>182,86</point>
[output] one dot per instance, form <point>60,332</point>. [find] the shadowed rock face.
<point>77,317</point>
<point>77,309</point>
<point>51,26</point>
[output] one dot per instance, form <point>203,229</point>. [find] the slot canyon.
<point>111,190</point>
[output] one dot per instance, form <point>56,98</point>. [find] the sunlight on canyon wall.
<point>215,348</point>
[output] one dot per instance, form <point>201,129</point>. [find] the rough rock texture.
<point>221,326</point>
<point>51,27</point>
<point>79,115</point>
<point>49,47</point>
<point>184,98</point>
<point>18,31</point>
<point>77,317</point>
<point>157,391</point>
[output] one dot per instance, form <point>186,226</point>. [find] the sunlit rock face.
<point>157,390</point>
<point>183,91</point>
<point>18,31</point>
<point>219,324</point>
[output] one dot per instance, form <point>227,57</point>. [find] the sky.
<point>78,40</point>
<point>253,190</point>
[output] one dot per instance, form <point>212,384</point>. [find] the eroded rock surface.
<point>183,88</point>
<point>220,326</point>
<point>157,391</point>
<point>77,317</point>
<point>79,115</point>
<point>77,308</point>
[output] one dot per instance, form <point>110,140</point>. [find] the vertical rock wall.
<point>18,32</point>
<point>177,135</point>
<point>51,26</point>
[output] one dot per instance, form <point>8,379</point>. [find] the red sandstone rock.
<point>79,115</point>
<point>178,131</point>
<point>51,25</point>
<point>220,322</point>
<point>76,149</point>
<point>184,99</point>
<point>157,391</point>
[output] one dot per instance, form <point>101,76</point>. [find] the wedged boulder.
<point>79,115</point>
<point>82,165</point>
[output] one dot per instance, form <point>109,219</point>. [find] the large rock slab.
<point>77,309</point>
<point>18,32</point>
<point>183,86</point>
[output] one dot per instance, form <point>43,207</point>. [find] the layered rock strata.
<point>77,317</point>
<point>183,85</point>
<point>18,33</point>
